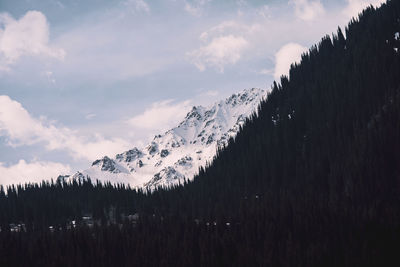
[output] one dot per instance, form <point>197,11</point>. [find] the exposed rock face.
<point>129,155</point>
<point>106,164</point>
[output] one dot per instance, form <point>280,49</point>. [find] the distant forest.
<point>312,179</point>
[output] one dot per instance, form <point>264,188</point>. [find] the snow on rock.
<point>167,175</point>
<point>130,155</point>
<point>106,164</point>
<point>176,155</point>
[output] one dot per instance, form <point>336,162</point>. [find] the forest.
<point>311,179</point>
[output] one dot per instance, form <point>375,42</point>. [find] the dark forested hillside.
<point>312,180</point>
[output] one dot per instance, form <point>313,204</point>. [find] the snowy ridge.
<point>177,154</point>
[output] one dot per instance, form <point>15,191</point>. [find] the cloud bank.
<point>28,36</point>
<point>137,6</point>
<point>21,129</point>
<point>161,115</point>
<point>221,51</point>
<point>288,54</point>
<point>308,10</point>
<point>35,171</point>
<point>196,7</point>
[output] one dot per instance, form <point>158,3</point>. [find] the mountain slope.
<point>178,154</point>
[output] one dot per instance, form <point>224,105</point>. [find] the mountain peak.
<point>176,155</point>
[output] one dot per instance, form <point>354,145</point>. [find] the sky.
<point>80,79</point>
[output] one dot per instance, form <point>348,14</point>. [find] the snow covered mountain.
<point>178,153</point>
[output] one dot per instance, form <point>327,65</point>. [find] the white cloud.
<point>90,116</point>
<point>196,7</point>
<point>161,115</point>
<point>264,12</point>
<point>354,7</point>
<point>137,5</point>
<point>266,72</point>
<point>35,171</point>
<point>288,54</point>
<point>308,10</point>
<point>229,27</point>
<point>221,51</point>
<point>192,10</point>
<point>20,128</point>
<point>223,44</point>
<point>28,36</point>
